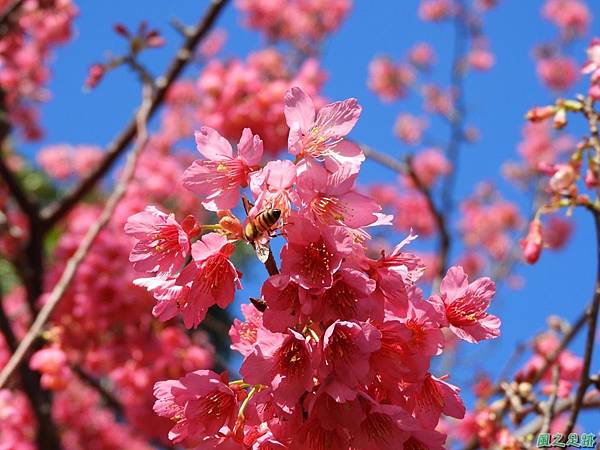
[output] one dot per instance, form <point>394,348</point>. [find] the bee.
<point>259,304</point>
<point>256,227</point>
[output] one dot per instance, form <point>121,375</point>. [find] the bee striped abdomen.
<point>261,223</point>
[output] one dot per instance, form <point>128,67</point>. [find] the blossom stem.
<point>244,405</point>
<point>214,227</point>
<point>240,383</point>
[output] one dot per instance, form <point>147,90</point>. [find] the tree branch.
<point>39,400</point>
<point>109,399</point>
<point>56,211</point>
<point>8,16</point>
<point>28,206</point>
<point>584,382</point>
<point>406,168</point>
<point>85,245</point>
<point>461,35</point>
<point>549,411</point>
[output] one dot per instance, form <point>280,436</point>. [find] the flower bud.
<point>560,119</point>
<point>563,178</point>
<point>532,244</point>
<point>232,226</point>
<point>524,389</point>
<point>591,179</point>
<point>540,113</point>
<point>95,74</point>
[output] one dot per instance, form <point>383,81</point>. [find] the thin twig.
<point>564,343</point>
<point>39,399</point>
<point>562,406</point>
<point>57,210</point>
<point>461,35</point>
<point>85,245</point>
<point>584,382</point>
<point>27,205</point>
<point>7,17</point>
<point>549,412</point>
<point>406,168</point>
<point>107,397</point>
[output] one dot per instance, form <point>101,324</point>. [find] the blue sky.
<point>496,101</point>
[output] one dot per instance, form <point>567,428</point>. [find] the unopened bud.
<point>532,244</point>
<point>524,389</point>
<point>591,178</point>
<point>540,113</point>
<point>563,178</point>
<point>232,226</point>
<point>190,226</point>
<point>95,74</point>
<point>121,30</point>
<point>560,119</point>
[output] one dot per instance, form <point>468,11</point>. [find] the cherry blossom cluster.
<point>567,166</point>
<point>501,408</point>
<point>337,349</point>
<point>102,329</point>
<point>556,69</point>
<point>234,94</point>
<point>64,162</point>
<point>488,239</point>
<point>25,52</point>
<point>392,80</point>
<point>303,23</point>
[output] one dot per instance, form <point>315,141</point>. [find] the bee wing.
<point>262,251</point>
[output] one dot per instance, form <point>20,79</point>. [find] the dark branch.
<point>40,400</point>
<point>108,398</point>
<point>56,211</point>
<point>19,194</point>
<point>406,168</point>
<point>584,382</point>
<point>7,18</point>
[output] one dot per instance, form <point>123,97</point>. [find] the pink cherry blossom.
<point>220,176</point>
<point>388,80</point>
<point>434,398</point>
<point>465,306</point>
<point>558,73</point>
<point>163,244</point>
<point>200,404</point>
<point>571,16</point>
<point>283,361</point>
<point>429,165</point>
<point>480,58</point>
<point>346,350</point>
<point>330,198</point>
<point>211,278</point>
<point>272,187</point>
<point>435,10</point>
<point>384,427</point>
<point>303,23</point>
<point>243,334</point>
<point>592,65</point>
<point>556,232</point>
<point>287,303</point>
<point>410,128</point>
<point>312,255</point>
<point>422,55</point>
<point>317,134</point>
<point>237,94</point>
<point>348,298</point>
<point>51,362</point>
